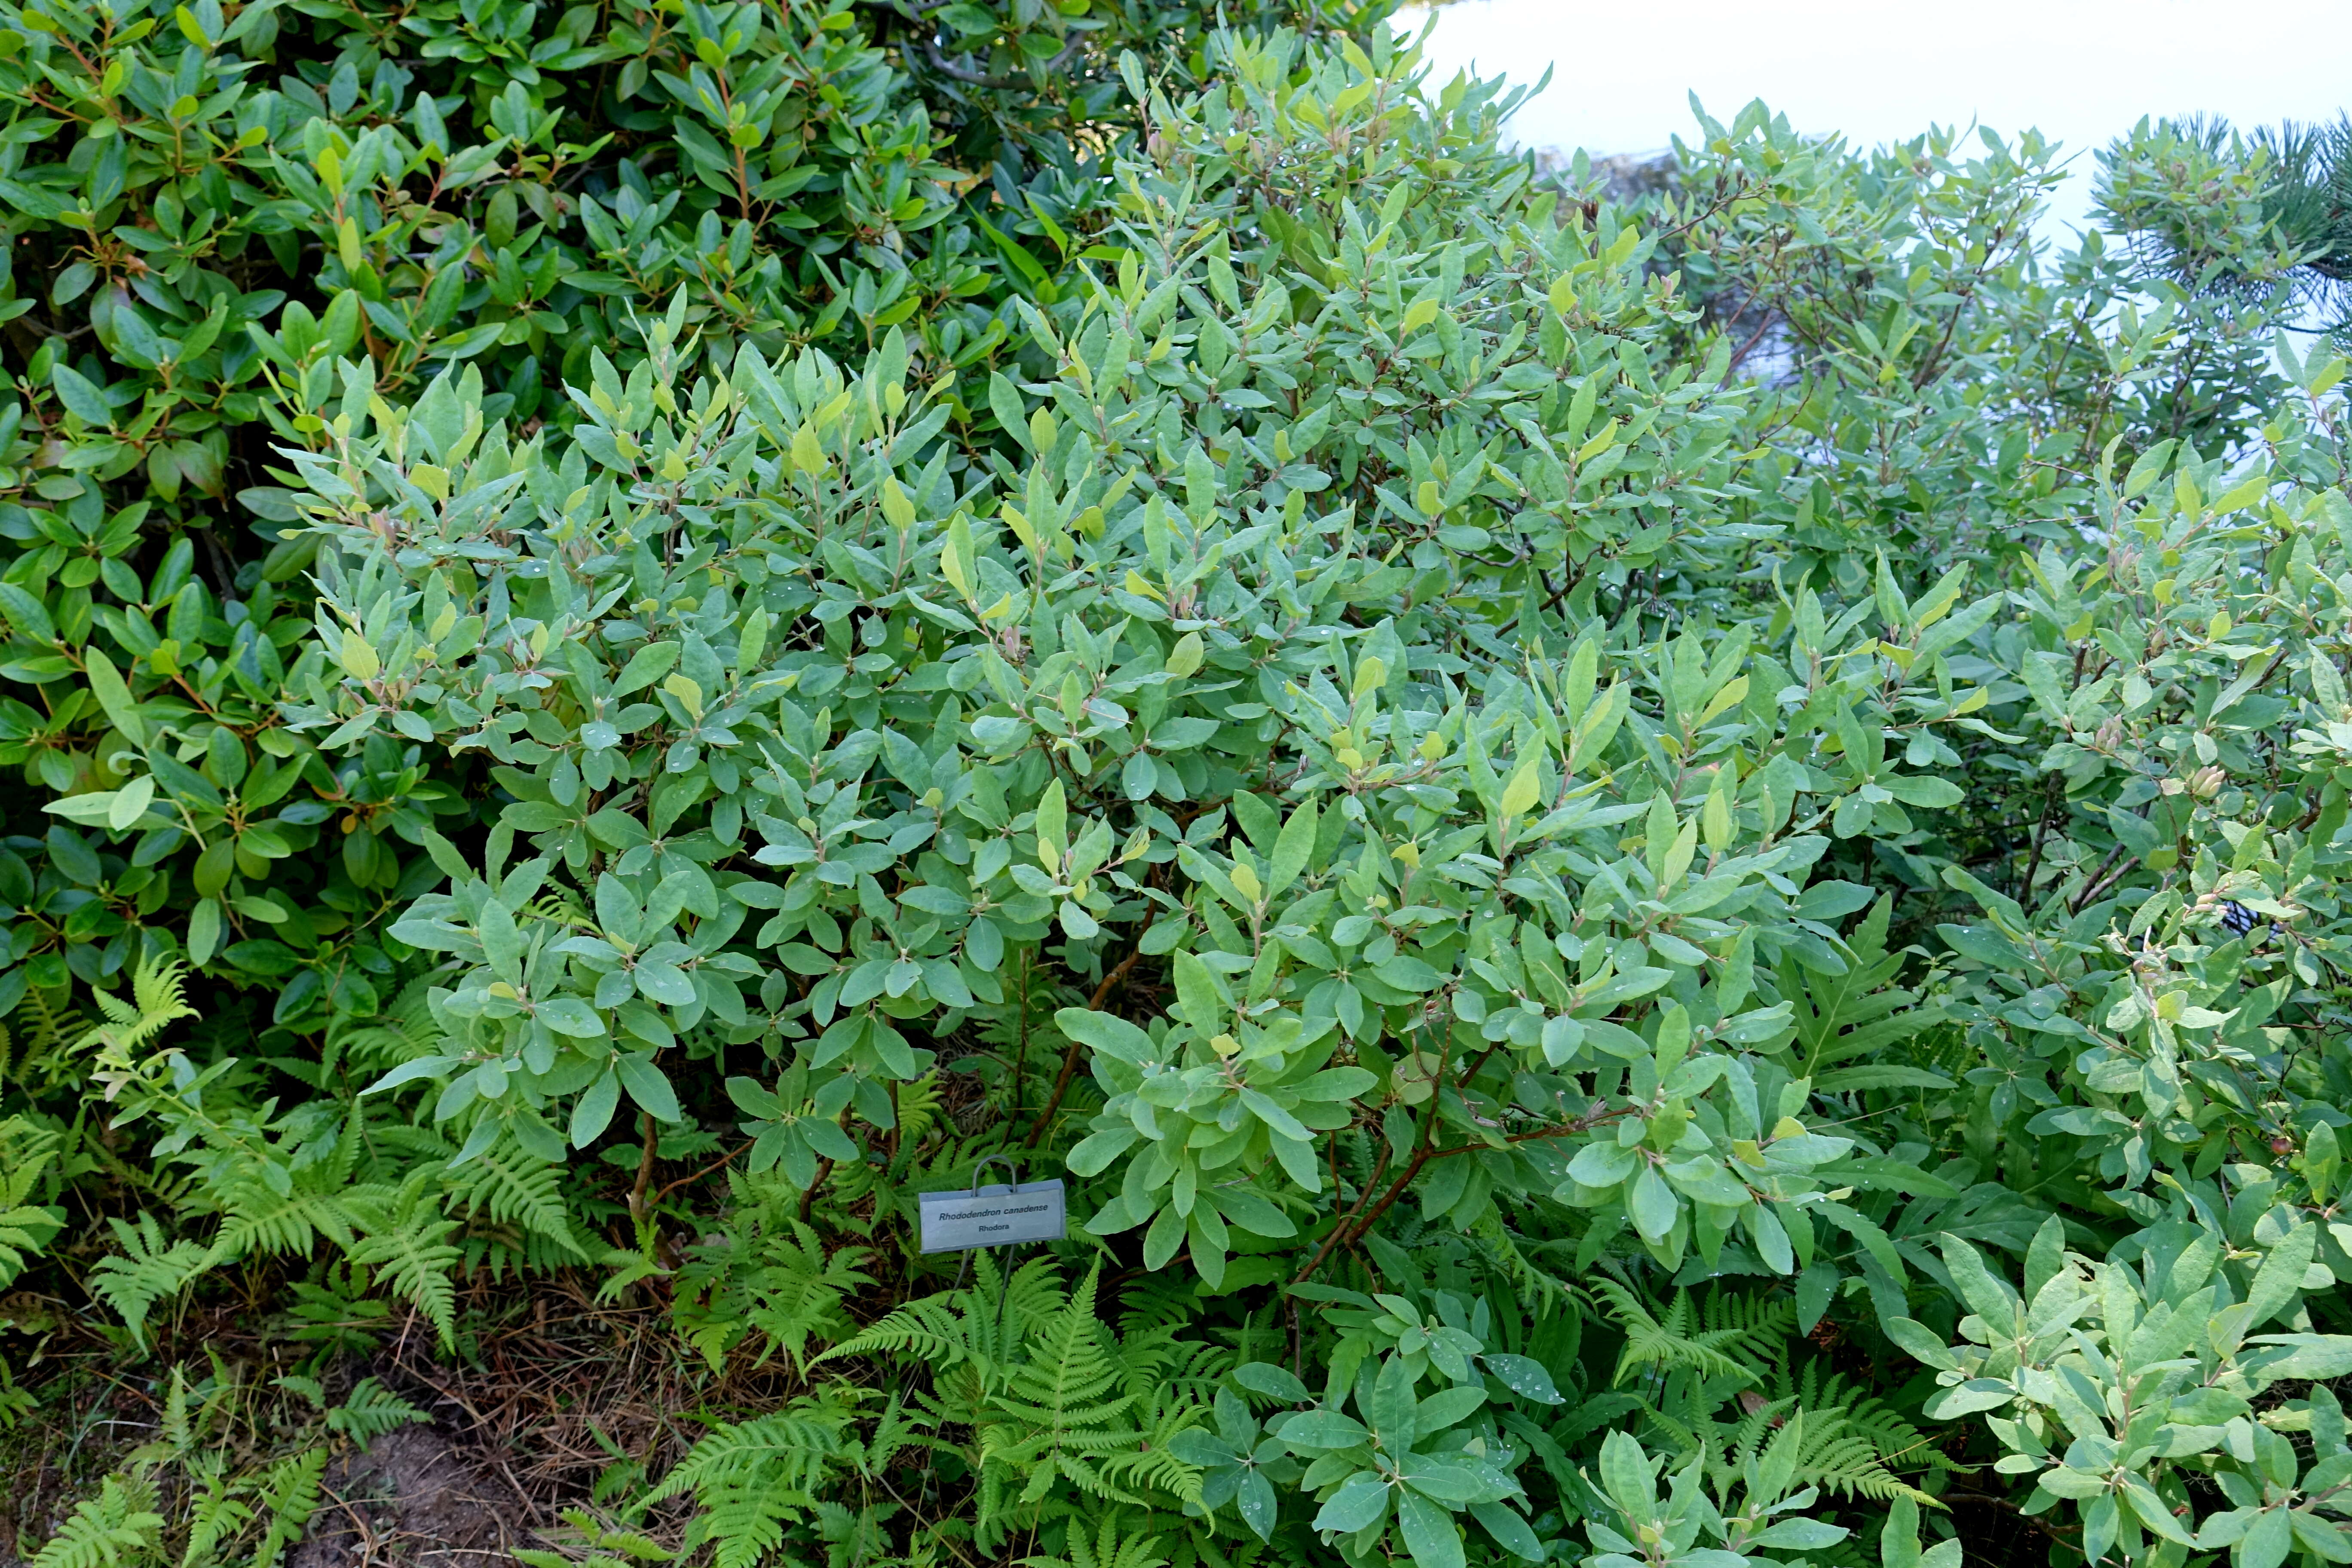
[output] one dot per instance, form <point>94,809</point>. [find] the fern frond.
<point>965,1327</point>
<point>215,1514</point>
<point>1169,1300</point>
<point>47,1029</point>
<point>1069,1379</point>
<point>402,1032</point>
<point>1159,1367</point>
<point>1856,1424</point>
<point>1031,1296</point>
<point>160,991</point>
<point>1753,1327</point>
<point>1107,1547</point>
<point>24,1232</point>
<point>178,1432</point>
<point>1900,1445</point>
<point>338,1169</point>
<point>1152,1464</point>
<point>1500,1249</point>
<point>606,1546</point>
<point>371,1411</point>
<point>145,1272</point>
<point>289,1493</point>
<point>117,1526</point>
<point>799,1292</point>
<point>15,1403</point>
<point>1848,1465</point>
<point>754,1477</point>
<point>261,1221</point>
<point>1733,1332</point>
<point>506,1249</point>
<point>158,997</point>
<point>893,1430</point>
<point>25,1229</point>
<point>560,908</point>
<point>405,1142</point>
<point>1065,1415</point>
<point>790,1449</point>
<point>932,1328</point>
<point>1037,1460</point>
<point>513,1189</point>
<point>745,1526</point>
<point>26,1154</point>
<point>408,1247</point>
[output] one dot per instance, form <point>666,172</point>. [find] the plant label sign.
<point>992,1216</point>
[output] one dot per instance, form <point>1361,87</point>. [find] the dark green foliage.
<point>206,212</point>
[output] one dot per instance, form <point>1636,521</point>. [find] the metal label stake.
<point>981,1217</point>
<point>1001,1215</point>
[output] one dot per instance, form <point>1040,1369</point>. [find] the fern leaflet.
<point>145,1272</point>
<point>753,1477</point>
<point>409,1247</point>
<point>1711,1338</point>
<point>119,1525</point>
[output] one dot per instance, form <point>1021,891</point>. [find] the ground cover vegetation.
<point>1663,873</point>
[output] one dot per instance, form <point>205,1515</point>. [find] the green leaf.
<point>1651,1204</point>
<point>1430,1534</point>
<point>1522,1376</point>
<point>26,615</point>
<point>1448,1407</point>
<point>571,1015</point>
<point>1626,1475</point>
<point>1920,790</point>
<point>1920,1341</point>
<point>593,1112</point>
<point>2315,1356</point>
<point>2267,1541</point>
<point>502,942</point>
<point>648,1085</point>
<point>1319,1429</point>
<point>1053,827</point>
<point>131,803</point>
<point>1989,1297</point>
<point>1107,1033</point>
<point>411,1070</point>
<point>1196,995</point>
<point>2278,1283</point>
<point>1273,1382</point>
<point>1003,400</point>
<point>114,696</point>
<point>80,395</point>
<point>1393,1411</point>
<point>1360,1501</point>
<point>665,984</point>
<point>2146,470</point>
<point>1849,1080</point>
<point>203,932</point>
<point>1526,785</point>
<point>2153,1511</point>
<point>645,666</point>
<point>1292,850</point>
<point>1967,1398</point>
<point>1510,1531</point>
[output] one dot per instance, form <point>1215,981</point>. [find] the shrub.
<point>1513,853</point>
<point>213,211</point>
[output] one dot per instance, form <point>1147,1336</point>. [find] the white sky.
<point>2080,70</point>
